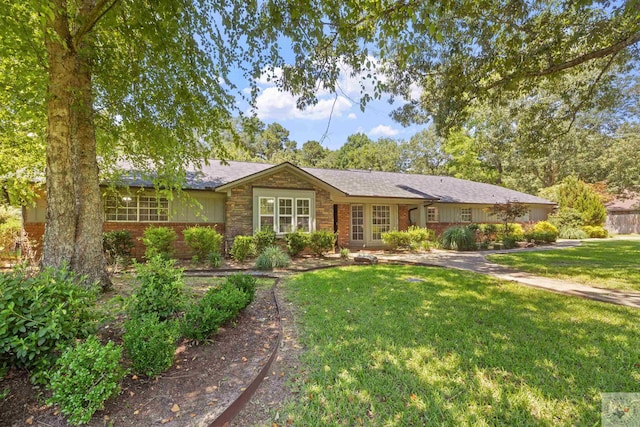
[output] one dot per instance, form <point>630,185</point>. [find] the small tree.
<point>507,212</point>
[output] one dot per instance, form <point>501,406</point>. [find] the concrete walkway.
<point>476,262</point>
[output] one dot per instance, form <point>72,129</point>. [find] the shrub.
<point>573,233</point>
<point>40,315</point>
<point>272,257</point>
<point>263,239</point>
<point>489,231</point>
<point>150,343</point>
<point>215,260</point>
<point>321,242</point>
<point>245,283</point>
<point>458,238</point>
<point>10,229</point>
<point>509,242</point>
<point>396,239</point>
<point>219,305</point>
<point>243,248</point>
<point>86,376</point>
<point>543,232</point>
<point>161,288</point>
<point>595,231</point>
<point>296,242</point>
<point>344,253</point>
<point>575,194</point>
<point>514,230</point>
<point>202,241</point>
<point>566,218</point>
<point>158,241</point>
<point>117,246</point>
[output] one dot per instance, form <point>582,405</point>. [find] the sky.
<point>335,117</point>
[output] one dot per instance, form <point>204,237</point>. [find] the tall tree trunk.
<point>88,259</point>
<point>60,226</point>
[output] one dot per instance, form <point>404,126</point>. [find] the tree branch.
<point>93,17</point>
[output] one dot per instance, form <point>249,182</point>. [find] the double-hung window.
<point>432,214</point>
<point>285,214</point>
<point>357,223</point>
<point>380,220</point>
<point>465,215</point>
<point>132,208</point>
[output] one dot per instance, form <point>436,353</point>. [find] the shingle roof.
<point>360,183</point>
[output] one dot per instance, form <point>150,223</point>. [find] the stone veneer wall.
<point>239,208</point>
<point>35,232</point>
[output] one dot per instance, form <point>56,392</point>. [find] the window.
<point>465,214</point>
<point>357,222</point>
<point>380,221</point>
<point>267,213</point>
<point>432,214</point>
<point>136,208</point>
<point>303,214</point>
<point>284,214</point>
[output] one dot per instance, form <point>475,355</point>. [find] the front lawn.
<point>613,264</point>
<point>398,345</point>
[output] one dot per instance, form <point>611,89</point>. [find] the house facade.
<point>240,198</point>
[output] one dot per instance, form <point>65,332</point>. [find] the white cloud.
<point>383,130</point>
<point>277,105</point>
<point>352,116</point>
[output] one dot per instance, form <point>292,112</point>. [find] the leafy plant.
<point>566,218</point>
<point>263,239</point>
<point>321,242</point>
<point>458,238</point>
<point>40,315</point>
<point>218,306</point>
<point>161,288</point>
<point>508,212</point>
<point>344,253</point>
<point>542,232</point>
<point>215,260</point>
<point>158,241</point>
<point>296,242</point>
<point>117,246</point>
<point>150,343</point>
<point>202,241</point>
<point>396,239</point>
<point>573,233</point>
<point>272,257</point>
<point>595,231</point>
<point>514,230</point>
<point>243,248</point>
<point>413,238</point>
<point>509,242</point>
<point>245,283</point>
<point>10,229</point>
<point>85,377</point>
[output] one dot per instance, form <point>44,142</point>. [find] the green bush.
<point>160,290</point>
<point>158,241</point>
<point>245,283</point>
<point>566,218</point>
<point>85,377</point>
<point>117,246</point>
<point>458,238</point>
<point>321,242</point>
<point>10,229</point>
<point>509,242</point>
<point>263,239</point>
<point>202,241</point>
<point>272,257</point>
<point>243,248</point>
<point>595,231</point>
<point>296,242</point>
<point>543,232</point>
<point>218,306</point>
<point>41,315</point>
<point>150,343</point>
<point>396,239</point>
<point>514,230</point>
<point>580,197</point>
<point>344,253</point>
<point>573,233</point>
<point>215,260</point>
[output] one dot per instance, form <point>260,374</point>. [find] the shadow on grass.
<point>457,349</point>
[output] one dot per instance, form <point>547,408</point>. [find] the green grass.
<point>454,349</point>
<point>612,264</point>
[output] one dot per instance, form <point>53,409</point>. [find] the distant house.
<point>623,215</point>
<point>241,198</point>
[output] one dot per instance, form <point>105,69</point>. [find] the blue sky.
<point>334,118</point>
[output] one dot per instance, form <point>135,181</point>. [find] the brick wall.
<point>35,232</point>
<point>403,217</point>
<point>239,206</point>
<point>344,225</point>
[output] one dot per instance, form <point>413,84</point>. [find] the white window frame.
<point>360,224</point>
<point>111,207</point>
<point>291,220</point>
<point>291,215</point>
<point>433,215</point>
<point>466,215</point>
<point>385,227</point>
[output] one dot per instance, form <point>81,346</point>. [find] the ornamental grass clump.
<point>458,239</point>
<point>272,257</point>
